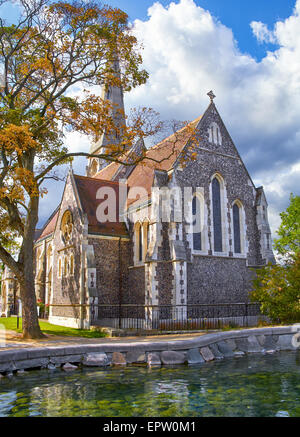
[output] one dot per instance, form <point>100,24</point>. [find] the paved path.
<point>12,340</point>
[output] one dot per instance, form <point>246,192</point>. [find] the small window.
<point>66,267</point>
<point>72,264</point>
<point>214,134</point>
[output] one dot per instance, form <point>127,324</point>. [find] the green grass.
<point>47,328</point>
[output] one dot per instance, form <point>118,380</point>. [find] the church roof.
<point>162,156</point>
<point>87,189</point>
<point>49,226</point>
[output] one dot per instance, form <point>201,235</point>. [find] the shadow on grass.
<point>10,323</point>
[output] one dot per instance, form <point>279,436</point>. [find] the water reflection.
<point>257,385</point>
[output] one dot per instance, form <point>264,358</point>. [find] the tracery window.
<point>66,227</point>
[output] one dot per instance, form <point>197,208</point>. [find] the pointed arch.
<point>238,227</point>
<point>220,241</point>
<point>196,211</point>
<point>217,215</point>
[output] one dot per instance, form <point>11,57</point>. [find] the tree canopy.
<point>51,62</point>
<point>288,242</point>
<point>277,287</point>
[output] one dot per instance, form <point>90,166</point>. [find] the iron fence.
<point>180,317</point>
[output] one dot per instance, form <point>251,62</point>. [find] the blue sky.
<point>248,53</point>
<point>235,14</point>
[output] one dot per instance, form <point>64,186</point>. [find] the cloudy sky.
<point>248,53</point>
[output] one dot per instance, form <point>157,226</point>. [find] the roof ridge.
<point>96,179</point>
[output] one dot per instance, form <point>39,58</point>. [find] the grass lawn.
<point>47,328</point>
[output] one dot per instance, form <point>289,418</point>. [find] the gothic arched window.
<point>236,228</point>
<point>196,224</point>
<point>217,215</point>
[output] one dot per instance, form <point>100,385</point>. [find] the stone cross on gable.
<point>211,96</point>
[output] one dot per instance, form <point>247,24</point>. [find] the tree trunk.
<point>30,324</point>
<point>31,328</point>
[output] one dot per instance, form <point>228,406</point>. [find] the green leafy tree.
<point>289,230</point>
<point>53,49</point>
<point>277,287</point>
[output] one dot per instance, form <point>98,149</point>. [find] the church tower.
<point>115,95</point>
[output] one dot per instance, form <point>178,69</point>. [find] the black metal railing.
<point>180,317</point>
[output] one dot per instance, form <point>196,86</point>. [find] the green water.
<point>260,385</point>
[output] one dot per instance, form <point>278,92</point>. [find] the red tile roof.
<point>50,225</point>
<point>87,190</point>
<point>160,157</point>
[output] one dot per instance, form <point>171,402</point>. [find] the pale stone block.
<point>118,359</point>
<point>194,357</point>
<point>153,359</point>
<point>96,360</point>
<point>207,354</point>
<point>172,357</point>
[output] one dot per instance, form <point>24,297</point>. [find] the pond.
<point>256,385</point>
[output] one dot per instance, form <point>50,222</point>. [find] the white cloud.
<point>262,33</point>
<point>188,52</point>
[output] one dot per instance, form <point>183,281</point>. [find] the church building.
<point>87,268</point>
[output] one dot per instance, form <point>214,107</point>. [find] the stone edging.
<point>192,351</point>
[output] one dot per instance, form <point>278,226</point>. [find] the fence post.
<point>246,313</point>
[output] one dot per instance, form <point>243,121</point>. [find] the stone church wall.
<point>218,280</point>
<point>67,288</point>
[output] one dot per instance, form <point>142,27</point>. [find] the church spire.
<point>115,95</point>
